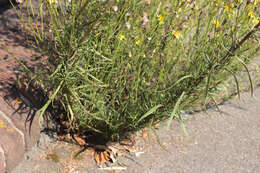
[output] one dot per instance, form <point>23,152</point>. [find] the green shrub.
<point>117,66</point>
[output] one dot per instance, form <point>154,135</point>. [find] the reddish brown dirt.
<point>15,139</point>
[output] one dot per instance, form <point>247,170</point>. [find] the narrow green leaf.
<point>158,140</point>
<point>26,69</point>
<point>56,71</point>
<point>175,109</point>
<point>237,85</point>
<point>178,81</point>
<point>43,109</point>
<point>151,111</point>
<point>180,119</point>
<point>215,103</point>
<point>249,76</point>
<point>71,117</point>
<point>207,87</point>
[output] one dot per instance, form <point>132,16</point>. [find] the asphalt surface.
<point>219,143</point>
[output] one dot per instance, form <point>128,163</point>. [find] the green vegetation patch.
<point>117,66</point>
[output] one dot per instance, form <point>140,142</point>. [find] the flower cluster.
<point>253,18</point>
<point>216,23</point>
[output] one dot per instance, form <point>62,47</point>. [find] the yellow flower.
<point>97,34</point>
<point>138,42</point>
<point>227,7</point>
<point>216,3</point>
<point>216,23</point>
<point>160,19</point>
<point>177,34</point>
<point>179,10</point>
<point>251,14</point>
<point>121,37</point>
<point>255,21</point>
